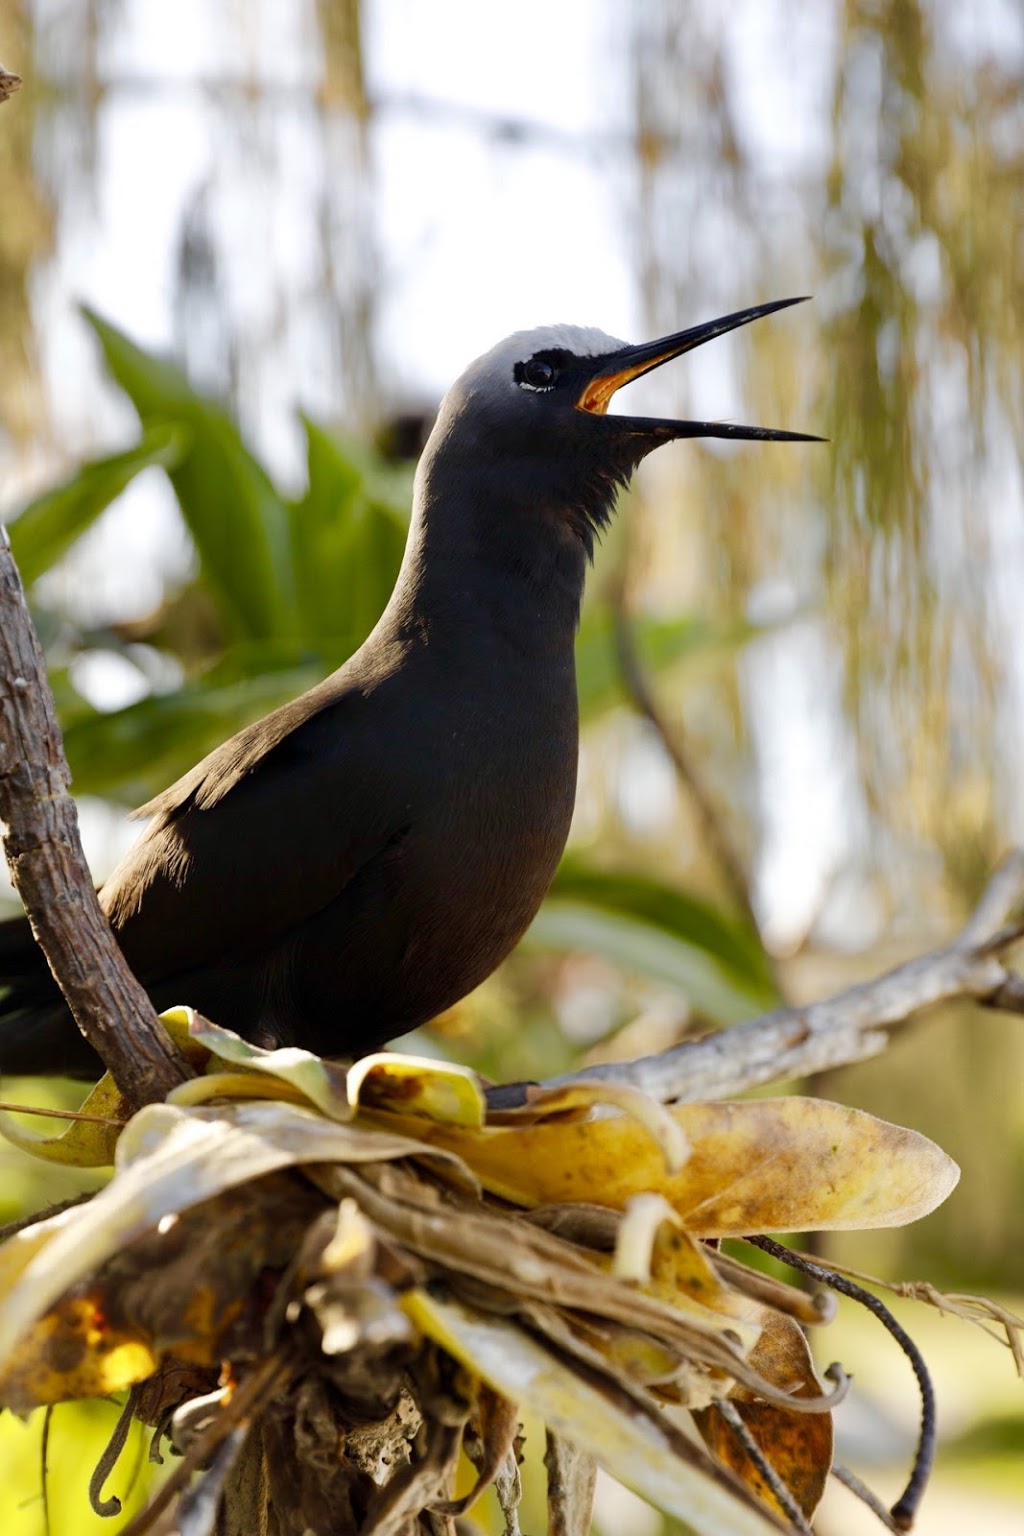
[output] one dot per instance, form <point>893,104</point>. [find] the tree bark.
<point>44,851</point>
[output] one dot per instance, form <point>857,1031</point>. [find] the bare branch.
<point>44,851</point>
<point>795,1042</point>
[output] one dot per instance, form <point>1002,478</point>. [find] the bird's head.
<point>529,419</point>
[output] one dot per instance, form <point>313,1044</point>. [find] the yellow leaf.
<point>72,1352</point>
<point>583,1097</point>
<point>763,1165</point>
<point>84,1144</point>
<point>414,1085</point>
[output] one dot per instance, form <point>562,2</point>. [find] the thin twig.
<point>44,851</point>
<point>784,1496</point>
<point>57,1114</point>
<point>108,1460</point>
<point>994,1320</point>
<point>797,1042</point>
<point>861,1491</point>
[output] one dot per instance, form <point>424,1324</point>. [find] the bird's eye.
<point>538,373</point>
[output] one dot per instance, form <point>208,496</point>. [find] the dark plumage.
<point>357,861</point>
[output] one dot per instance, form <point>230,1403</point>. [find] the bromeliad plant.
<point>361,1276</point>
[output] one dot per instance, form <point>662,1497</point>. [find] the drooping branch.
<point>44,851</point>
<point>796,1042</point>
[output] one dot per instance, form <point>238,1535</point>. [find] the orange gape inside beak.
<point>597,394</point>
<point>599,391</point>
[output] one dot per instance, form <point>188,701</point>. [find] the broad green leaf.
<point>131,753</point>
<point>48,526</point>
<point>236,518</point>
<point>711,987</point>
<point>673,911</point>
<point>347,546</point>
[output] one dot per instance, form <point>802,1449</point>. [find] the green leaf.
<point>675,912</point>
<point>44,530</point>
<point>237,519</point>
<point>129,754</point>
<point>660,642</point>
<point>347,545</point>
<point>637,946</point>
<point>669,935</point>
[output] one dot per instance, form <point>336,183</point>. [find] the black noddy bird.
<point>357,861</point>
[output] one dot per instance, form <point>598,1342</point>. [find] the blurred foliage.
<point>905,220</point>
<point>24,240</point>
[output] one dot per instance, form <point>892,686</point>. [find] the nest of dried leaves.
<point>335,1292</point>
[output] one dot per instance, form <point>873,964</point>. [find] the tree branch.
<point>44,851</point>
<point>796,1042</point>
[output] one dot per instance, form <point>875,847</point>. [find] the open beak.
<point>628,363</point>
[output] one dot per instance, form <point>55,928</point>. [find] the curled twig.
<point>245,1404</point>
<point>109,1459</point>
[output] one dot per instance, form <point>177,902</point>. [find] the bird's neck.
<point>490,561</point>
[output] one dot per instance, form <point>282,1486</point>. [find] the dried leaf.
<point>168,1160</point>
<point>72,1352</point>
<point>84,1144</point>
<point>414,1085</point>
<point>763,1165</point>
<point>659,1121</point>
<point>624,1430</point>
<point>798,1446</point>
<point>323,1083</point>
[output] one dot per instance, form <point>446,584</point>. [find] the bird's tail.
<point>38,1036</point>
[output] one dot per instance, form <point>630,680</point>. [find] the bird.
<point>354,863</point>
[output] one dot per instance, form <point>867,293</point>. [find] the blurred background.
<point>321,212</point>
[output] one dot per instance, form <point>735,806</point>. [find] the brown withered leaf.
<point>798,1446</point>
<point>195,1292</point>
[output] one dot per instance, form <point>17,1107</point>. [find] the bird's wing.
<point>260,835</point>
